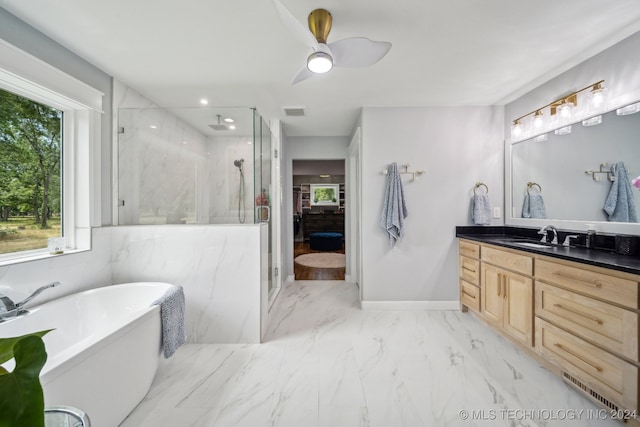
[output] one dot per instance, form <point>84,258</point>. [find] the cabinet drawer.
<point>470,270</point>
<point>519,263</point>
<point>612,327</point>
<point>470,295</point>
<point>605,373</point>
<point>599,285</point>
<point>468,249</point>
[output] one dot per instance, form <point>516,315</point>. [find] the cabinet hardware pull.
<point>468,294</point>
<point>577,279</point>
<point>499,284</point>
<point>464,267</point>
<point>574,311</point>
<point>504,281</point>
<point>577,356</point>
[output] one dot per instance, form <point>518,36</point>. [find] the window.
<point>50,155</point>
<point>30,180</point>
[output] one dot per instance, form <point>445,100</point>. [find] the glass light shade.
<point>597,95</point>
<point>516,129</point>
<point>538,119</point>
<point>629,109</point>
<point>593,121</point>
<point>563,131</point>
<point>565,108</point>
<point>319,62</point>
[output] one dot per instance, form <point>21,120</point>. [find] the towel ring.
<point>480,184</point>
<point>533,184</point>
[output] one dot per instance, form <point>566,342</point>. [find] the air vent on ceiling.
<point>293,111</point>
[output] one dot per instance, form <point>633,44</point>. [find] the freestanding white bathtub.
<point>104,351</point>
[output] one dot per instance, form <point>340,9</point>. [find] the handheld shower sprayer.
<point>241,208</point>
<point>238,163</point>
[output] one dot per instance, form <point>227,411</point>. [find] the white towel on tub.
<point>172,314</point>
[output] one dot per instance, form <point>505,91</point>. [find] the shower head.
<point>238,163</point>
<point>219,125</point>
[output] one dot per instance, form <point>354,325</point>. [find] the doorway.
<point>319,219</point>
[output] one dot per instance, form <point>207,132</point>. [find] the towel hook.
<point>533,184</point>
<point>480,184</point>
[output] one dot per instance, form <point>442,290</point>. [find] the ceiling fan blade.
<point>295,26</point>
<point>304,74</point>
<point>358,52</point>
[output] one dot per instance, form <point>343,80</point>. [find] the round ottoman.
<point>325,241</point>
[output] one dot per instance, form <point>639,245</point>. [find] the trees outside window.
<point>30,165</point>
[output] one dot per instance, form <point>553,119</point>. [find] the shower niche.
<point>193,166</point>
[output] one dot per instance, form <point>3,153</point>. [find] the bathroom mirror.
<point>559,164</point>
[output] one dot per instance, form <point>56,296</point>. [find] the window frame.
<point>81,107</point>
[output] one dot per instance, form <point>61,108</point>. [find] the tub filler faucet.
<point>9,309</point>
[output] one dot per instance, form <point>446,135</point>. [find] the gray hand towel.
<point>394,208</point>
<point>533,206</point>
<point>620,205</point>
<point>481,209</point>
<point>172,314</point>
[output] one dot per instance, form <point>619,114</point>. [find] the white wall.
<point>457,146</point>
<point>77,272</point>
<point>301,148</point>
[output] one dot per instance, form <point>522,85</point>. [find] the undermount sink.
<point>532,245</point>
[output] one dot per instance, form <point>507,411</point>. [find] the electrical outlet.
<point>496,212</point>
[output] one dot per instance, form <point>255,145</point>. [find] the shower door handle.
<point>263,213</point>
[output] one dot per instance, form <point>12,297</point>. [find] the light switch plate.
<point>496,212</point>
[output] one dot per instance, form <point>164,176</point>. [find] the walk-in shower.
<point>203,165</point>
<point>241,203</point>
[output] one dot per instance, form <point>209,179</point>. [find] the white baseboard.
<point>409,305</point>
<point>290,279</point>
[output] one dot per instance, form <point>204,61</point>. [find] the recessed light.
<point>232,127</point>
<point>204,101</point>
<point>229,120</point>
<point>153,127</point>
<point>325,176</point>
<point>249,142</point>
<point>185,142</point>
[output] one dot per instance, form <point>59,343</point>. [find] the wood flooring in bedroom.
<point>310,273</point>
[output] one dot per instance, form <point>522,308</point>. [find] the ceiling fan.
<point>350,52</point>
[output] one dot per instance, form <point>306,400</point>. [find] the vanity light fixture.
<point>325,176</point>
<point>562,107</point>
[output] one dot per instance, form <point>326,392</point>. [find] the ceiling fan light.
<point>319,62</point>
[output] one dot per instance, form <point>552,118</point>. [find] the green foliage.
<point>21,397</point>
<point>324,194</point>
<point>30,147</point>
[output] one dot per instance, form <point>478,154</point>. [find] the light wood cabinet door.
<point>491,298</point>
<point>518,308</point>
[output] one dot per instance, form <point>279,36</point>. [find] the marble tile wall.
<point>219,267</point>
<point>76,272</point>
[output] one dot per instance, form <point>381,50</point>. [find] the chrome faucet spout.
<point>36,293</point>
<point>545,235</point>
<point>10,309</point>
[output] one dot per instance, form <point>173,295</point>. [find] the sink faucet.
<point>8,308</point>
<point>545,235</point>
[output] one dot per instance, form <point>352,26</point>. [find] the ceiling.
<point>238,53</point>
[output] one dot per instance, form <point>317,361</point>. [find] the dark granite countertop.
<point>517,238</point>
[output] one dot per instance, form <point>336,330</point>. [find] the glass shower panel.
<point>263,184</point>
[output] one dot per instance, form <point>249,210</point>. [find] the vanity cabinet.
<point>579,320</point>
<point>469,273</point>
<point>507,295</point>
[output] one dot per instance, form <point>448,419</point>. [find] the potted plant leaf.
<point>21,396</point>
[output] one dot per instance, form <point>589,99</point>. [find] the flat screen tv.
<point>325,194</point>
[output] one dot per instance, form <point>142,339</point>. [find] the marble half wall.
<point>219,267</point>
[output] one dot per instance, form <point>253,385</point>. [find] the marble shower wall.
<point>162,169</point>
<point>221,268</point>
<point>224,179</point>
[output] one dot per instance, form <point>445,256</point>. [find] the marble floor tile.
<point>326,363</point>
